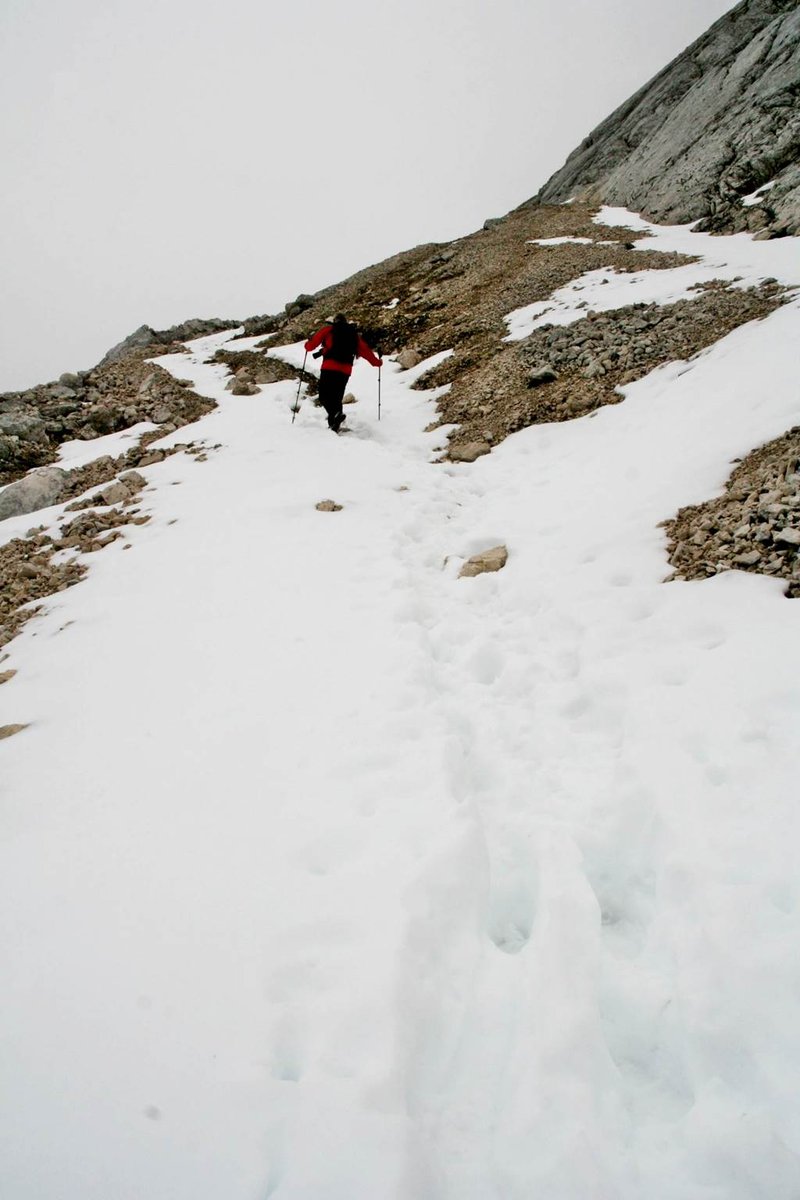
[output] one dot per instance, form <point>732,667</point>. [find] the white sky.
<point>163,160</point>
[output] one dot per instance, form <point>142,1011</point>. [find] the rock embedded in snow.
<point>408,358</point>
<point>133,479</point>
<point>114,493</point>
<point>6,675</point>
<point>488,560</point>
<point>349,399</point>
<point>7,731</point>
<point>468,452</point>
<point>39,489</point>
<point>328,506</point>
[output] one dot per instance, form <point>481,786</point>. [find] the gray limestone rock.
<point>718,123</point>
<point>39,489</point>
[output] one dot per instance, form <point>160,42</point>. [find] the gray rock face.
<point>37,490</point>
<point>718,123</point>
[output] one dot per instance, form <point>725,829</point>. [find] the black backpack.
<point>344,342</point>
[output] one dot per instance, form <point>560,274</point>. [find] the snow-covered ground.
<point>329,875</point>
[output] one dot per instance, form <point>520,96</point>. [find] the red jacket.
<point>324,337</point>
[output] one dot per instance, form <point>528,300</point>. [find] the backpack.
<point>344,342</point>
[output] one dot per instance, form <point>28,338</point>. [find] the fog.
<point>177,159</point>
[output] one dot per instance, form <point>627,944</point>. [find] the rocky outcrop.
<point>561,372</point>
<point>110,397</point>
<point>754,526</point>
<point>146,338</point>
<point>718,123</point>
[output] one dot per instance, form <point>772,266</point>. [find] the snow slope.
<point>327,874</point>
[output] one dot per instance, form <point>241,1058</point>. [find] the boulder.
<point>39,489</point>
<point>114,493</point>
<point>133,479</point>
<point>488,560</point>
<point>23,425</point>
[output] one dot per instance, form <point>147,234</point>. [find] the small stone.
<point>748,560</point>
<point>577,405</point>
<point>328,506</point>
<point>787,537</point>
<point>152,456</point>
<point>161,415</point>
<point>7,731</point>
<point>488,560</point>
<point>6,675</point>
<point>349,399</point>
<point>540,375</point>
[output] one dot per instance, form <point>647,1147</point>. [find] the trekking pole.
<point>296,408</point>
<point>379,393</point>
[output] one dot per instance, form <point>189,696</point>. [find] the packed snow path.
<point>327,874</point>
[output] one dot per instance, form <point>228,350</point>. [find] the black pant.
<point>331,393</point>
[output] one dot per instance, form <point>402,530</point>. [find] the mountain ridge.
<point>718,122</point>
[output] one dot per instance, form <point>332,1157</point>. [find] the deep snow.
<point>327,874</point>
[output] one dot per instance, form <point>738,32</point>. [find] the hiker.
<point>341,344</point>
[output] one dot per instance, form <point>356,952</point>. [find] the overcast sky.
<point>164,159</point>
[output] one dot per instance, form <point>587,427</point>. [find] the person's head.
<point>340,319</point>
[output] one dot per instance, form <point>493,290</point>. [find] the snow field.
<point>735,257</point>
<point>329,874</point>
